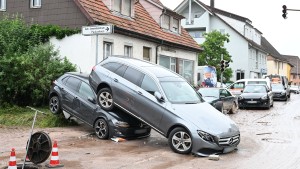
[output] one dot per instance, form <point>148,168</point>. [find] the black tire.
<point>54,105</point>
<point>105,99</point>
<point>234,108</point>
<point>101,129</point>
<point>219,106</point>
<point>179,137</point>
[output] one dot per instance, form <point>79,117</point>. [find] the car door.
<point>227,99</point>
<point>68,94</point>
<point>145,103</point>
<point>87,103</point>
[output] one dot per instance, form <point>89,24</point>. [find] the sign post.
<point>97,30</point>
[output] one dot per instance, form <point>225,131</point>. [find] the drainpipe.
<point>161,43</point>
<point>190,12</point>
<point>212,3</point>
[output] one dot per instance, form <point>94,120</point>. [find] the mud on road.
<point>269,140</point>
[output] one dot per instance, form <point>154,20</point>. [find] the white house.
<point>249,57</point>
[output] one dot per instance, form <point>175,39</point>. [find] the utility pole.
<point>221,72</point>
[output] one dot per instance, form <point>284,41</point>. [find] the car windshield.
<point>207,92</point>
<point>255,89</point>
<point>180,92</point>
<point>277,87</point>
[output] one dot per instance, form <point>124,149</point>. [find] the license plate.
<point>140,131</point>
<point>252,102</point>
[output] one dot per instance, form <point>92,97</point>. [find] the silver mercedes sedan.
<point>165,101</point>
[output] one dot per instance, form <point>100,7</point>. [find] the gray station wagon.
<point>165,101</point>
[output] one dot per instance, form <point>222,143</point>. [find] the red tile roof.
<point>142,23</point>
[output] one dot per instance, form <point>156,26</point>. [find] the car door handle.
<point>139,92</point>
<point>116,80</point>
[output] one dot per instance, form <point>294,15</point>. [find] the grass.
<point>22,116</point>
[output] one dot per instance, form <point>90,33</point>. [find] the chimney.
<point>212,3</point>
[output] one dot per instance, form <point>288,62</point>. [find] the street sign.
<point>96,30</point>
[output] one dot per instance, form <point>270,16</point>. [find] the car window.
<point>209,92</point>
<point>133,75</point>
<point>121,70</point>
<point>180,92</point>
<point>239,85</point>
<point>72,83</point>
<point>149,85</point>
<point>112,66</point>
<point>224,93</point>
<point>255,89</point>
<point>85,91</point>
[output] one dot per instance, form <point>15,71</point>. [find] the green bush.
<point>27,64</point>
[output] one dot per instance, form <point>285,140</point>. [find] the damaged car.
<point>72,95</point>
<point>165,101</point>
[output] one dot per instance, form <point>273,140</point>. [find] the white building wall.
<point>81,50</point>
<point>238,25</point>
<point>237,48</point>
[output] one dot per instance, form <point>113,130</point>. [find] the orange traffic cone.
<point>54,161</point>
<point>12,164</point>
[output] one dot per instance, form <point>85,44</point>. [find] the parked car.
<point>72,93</point>
<point>295,89</point>
<point>256,95</point>
<point>280,92</point>
<point>220,98</point>
<point>237,87</point>
<point>165,101</point>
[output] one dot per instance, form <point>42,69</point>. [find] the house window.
<point>107,49</point>
<point>186,68</point>
<point>128,51</point>
<point>35,3</point>
<point>166,22</point>
<point>2,5</point>
<point>146,53</point>
<point>175,25</point>
<point>123,7</point>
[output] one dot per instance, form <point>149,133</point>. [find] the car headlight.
<point>205,136</point>
<point>282,93</point>
<point>122,124</point>
<point>264,97</point>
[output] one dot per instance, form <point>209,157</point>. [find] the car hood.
<point>253,95</point>
<point>206,118</point>
<point>278,90</point>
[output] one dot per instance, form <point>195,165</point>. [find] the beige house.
<point>276,63</point>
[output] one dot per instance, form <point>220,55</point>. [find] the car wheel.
<point>105,99</point>
<point>234,108</point>
<point>54,105</point>
<point>101,129</point>
<point>219,106</point>
<point>180,141</point>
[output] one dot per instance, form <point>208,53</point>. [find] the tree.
<point>28,65</point>
<point>213,49</point>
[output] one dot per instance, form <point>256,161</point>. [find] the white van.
<point>236,87</point>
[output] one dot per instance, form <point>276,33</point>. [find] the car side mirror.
<point>92,100</point>
<point>159,97</point>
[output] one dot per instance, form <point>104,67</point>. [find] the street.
<point>269,140</point>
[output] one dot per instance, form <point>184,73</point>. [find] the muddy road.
<point>269,140</point>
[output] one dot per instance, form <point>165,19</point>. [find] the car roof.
<point>156,70</point>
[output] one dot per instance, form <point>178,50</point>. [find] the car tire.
<point>54,105</point>
<point>101,129</point>
<point>234,108</point>
<point>105,99</point>
<point>180,141</point>
<point>219,106</point>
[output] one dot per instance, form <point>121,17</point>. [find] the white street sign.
<point>96,30</point>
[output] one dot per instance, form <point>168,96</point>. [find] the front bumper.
<point>221,145</point>
<point>254,103</point>
<point>279,96</point>
<point>130,132</point>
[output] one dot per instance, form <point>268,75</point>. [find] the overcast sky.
<point>266,16</point>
